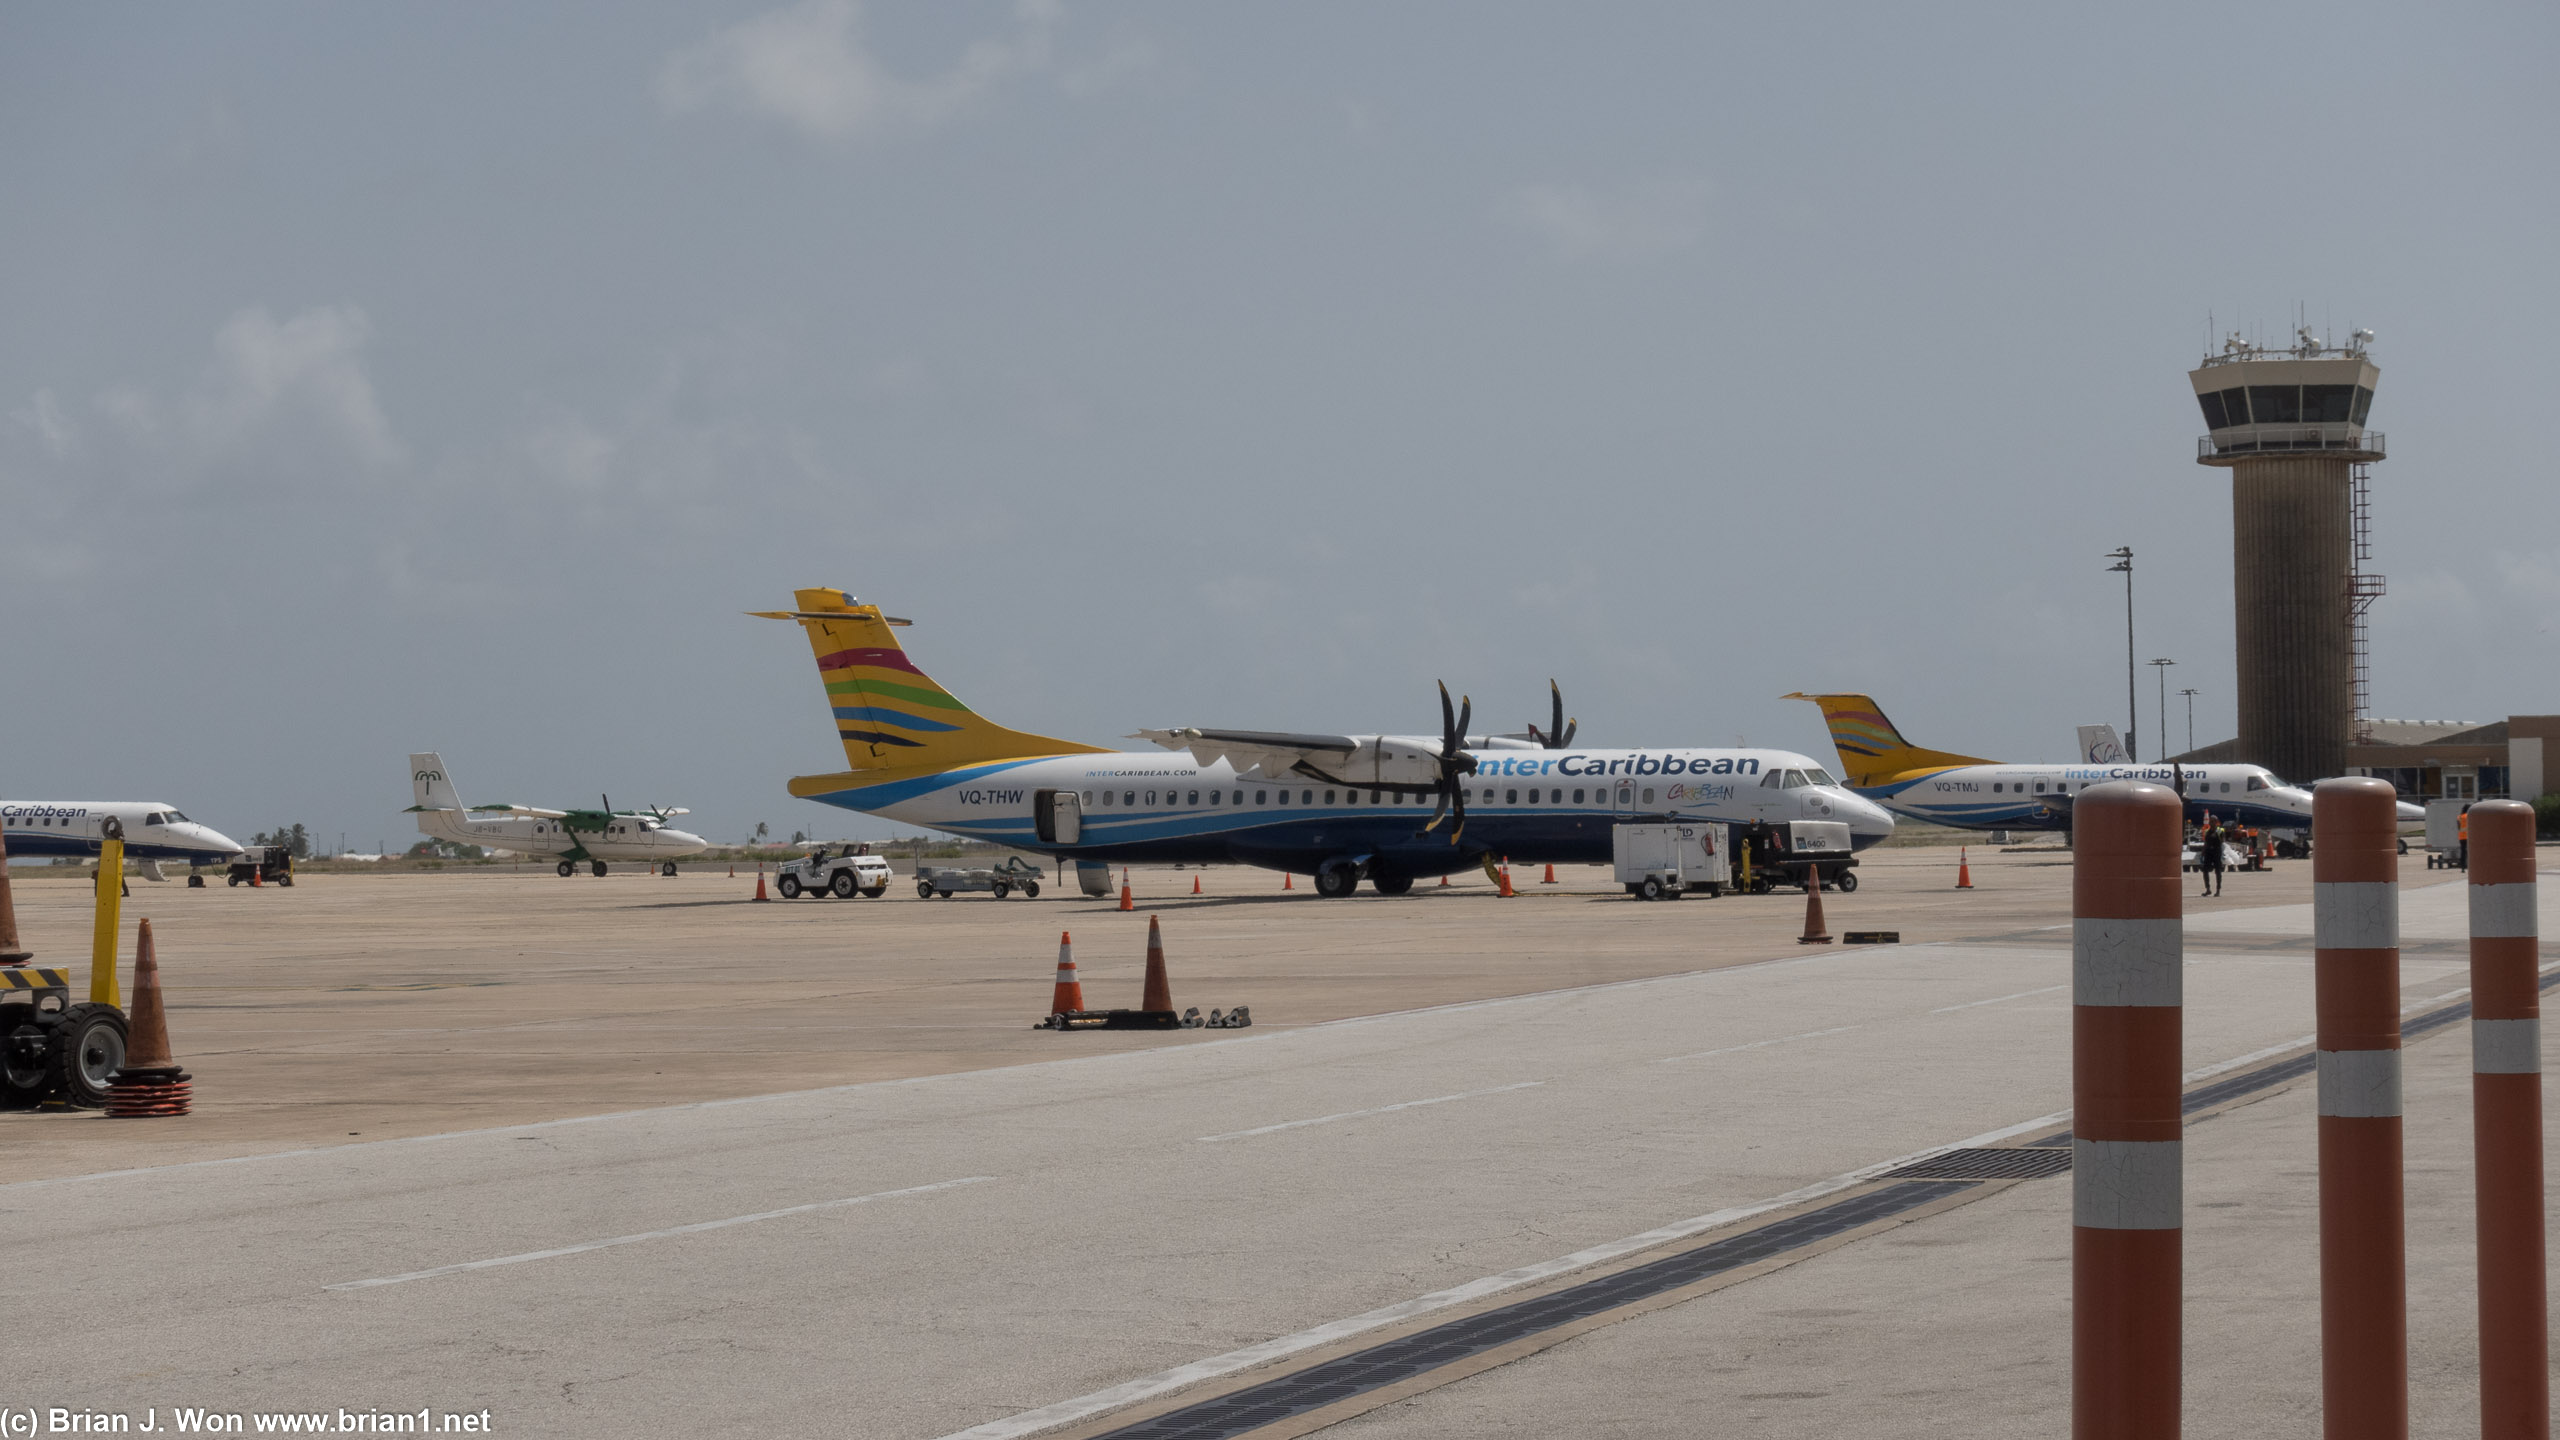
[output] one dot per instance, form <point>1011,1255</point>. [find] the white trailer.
<point>1663,862</point>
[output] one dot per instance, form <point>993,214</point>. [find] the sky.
<point>392,377</point>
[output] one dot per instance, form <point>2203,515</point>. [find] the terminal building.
<point>2289,424</point>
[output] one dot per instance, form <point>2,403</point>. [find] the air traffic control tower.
<point>2289,426</point>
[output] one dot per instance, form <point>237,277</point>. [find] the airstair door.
<point>1058,816</point>
<point>1622,802</point>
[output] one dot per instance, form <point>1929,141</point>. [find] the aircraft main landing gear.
<point>1337,880</point>
<point>667,869</point>
<point>568,868</point>
<point>598,867</point>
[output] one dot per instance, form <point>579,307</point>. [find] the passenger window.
<point>1376,797</point>
<point>1577,797</point>
<point>1648,795</point>
<point>1284,797</point>
<point>1213,797</point>
<point>2039,787</point>
<point>1995,787</point>
<point>1328,797</point>
<point>1128,797</point>
<point>1151,797</point>
<point>1258,796</point>
<point>1088,797</point>
<point>1306,797</point>
<point>2226,787</point>
<point>1510,797</point>
<point>1239,797</point>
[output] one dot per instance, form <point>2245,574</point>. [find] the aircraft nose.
<point>1869,822</point>
<point>680,840</point>
<point>208,838</point>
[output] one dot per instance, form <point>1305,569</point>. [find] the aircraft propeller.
<point>1559,731</point>
<point>1454,762</point>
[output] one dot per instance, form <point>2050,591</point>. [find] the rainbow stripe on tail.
<point>890,715</point>
<point>1872,751</point>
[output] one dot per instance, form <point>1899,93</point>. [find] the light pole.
<point>2163,667</point>
<point>2123,556</point>
<point>2191,719</point>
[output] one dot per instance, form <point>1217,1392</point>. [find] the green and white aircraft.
<point>591,836</point>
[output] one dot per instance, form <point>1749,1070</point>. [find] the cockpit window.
<point>154,818</point>
<point>2257,782</point>
<point>1793,780</point>
<point>1820,777</point>
<point>177,819</point>
<point>1770,780</point>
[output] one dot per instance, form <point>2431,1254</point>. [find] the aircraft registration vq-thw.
<point>1388,808</point>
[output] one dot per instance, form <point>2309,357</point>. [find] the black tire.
<point>942,894</point>
<point>1030,889</point>
<point>235,879</point>
<point>842,886</point>
<point>88,1049</point>
<point>876,891</point>
<point>26,1067</point>
<point>284,880</point>
<point>924,889</point>
<point>1333,882</point>
<point>598,867</point>
<point>1845,881</point>
<point>789,885</point>
<point>999,889</point>
<point>568,868</point>
<point>668,869</point>
<point>1391,884</point>
<point>1649,888</point>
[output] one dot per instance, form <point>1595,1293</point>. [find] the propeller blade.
<point>1460,809</point>
<point>1570,727</point>
<point>1439,809</point>
<point>1448,721</point>
<point>1554,738</point>
<point>1466,715</point>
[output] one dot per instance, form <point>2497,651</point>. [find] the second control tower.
<point>2289,425</point>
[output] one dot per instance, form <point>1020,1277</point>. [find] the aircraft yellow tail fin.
<point>889,714</point>
<point>1871,750</point>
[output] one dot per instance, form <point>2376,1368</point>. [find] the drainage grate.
<point>1986,1164</point>
<point>1400,1359</point>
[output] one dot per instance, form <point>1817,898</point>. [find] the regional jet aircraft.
<point>594,836</point>
<point>152,831</point>
<point>1970,793</point>
<point>1388,808</point>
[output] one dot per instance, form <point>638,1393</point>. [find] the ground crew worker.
<point>2209,855</point>
<point>2462,839</point>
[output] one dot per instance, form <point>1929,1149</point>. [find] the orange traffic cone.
<point>1964,870</point>
<point>733,872</point>
<point>1069,996</point>
<point>150,1082</point>
<point>1288,881</point>
<point>1505,874</point>
<point>1551,875</point>
<point>1127,902</point>
<point>1444,882</point>
<point>253,877</point>
<point>1195,884</point>
<point>1159,992</point>
<point>1814,934</point>
<point>760,884</point>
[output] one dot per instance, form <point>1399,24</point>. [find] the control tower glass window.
<point>2327,404</point>
<point>2364,402</point>
<point>2235,405</point>
<point>2211,400</point>
<point>2276,404</point>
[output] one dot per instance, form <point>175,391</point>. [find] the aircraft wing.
<point>1275,753</point>
<point>534,810</point>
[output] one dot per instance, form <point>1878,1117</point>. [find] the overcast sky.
<point>402,376</point>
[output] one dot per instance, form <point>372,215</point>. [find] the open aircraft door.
<point>1058,816</point>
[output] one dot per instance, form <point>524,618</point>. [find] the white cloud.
<point>807,66</point>
<point>1632,222</point>
<point>309,368</point>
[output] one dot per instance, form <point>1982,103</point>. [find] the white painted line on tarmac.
<point>1083,1407</point>
<point>693,1229</point>
<point>1997,999</point>
<point>1377,1110</point>
<point>1756,1044</point>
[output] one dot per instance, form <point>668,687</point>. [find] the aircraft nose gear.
<point>1337,879</point>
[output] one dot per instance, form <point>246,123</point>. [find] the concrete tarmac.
<point>981,1245</point>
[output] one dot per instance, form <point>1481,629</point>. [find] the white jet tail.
<point>433,787</point>
<point>2100,745</point>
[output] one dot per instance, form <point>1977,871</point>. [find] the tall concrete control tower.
<point>2289,426</point>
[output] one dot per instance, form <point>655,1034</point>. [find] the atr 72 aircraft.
<point>1389,808</point>
<point>1970,793</point>
<point>594,836</point>
<point>152,831</point>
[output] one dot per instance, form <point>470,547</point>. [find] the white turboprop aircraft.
<point>1389,809</point>
<point>153,832</point>
<point>594,836</point>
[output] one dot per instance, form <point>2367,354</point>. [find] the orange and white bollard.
<point>2355,922</point>
<point>1964,869</point>
<point>2506,1123</point>
<point>2127,1145</point>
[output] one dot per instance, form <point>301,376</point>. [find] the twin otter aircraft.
<point>1388,808</point>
